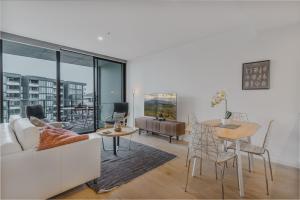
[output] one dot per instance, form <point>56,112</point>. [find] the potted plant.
<point>216,100</point>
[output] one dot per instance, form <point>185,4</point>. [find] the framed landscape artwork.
<point>256,75</point>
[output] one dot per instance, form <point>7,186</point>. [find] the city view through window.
<point>28,81</point>
<point>29,78</point>
<point>31,81</point>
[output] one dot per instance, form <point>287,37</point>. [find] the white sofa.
<point>31,174</point>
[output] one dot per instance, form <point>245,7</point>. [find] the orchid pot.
<point>216,100</point>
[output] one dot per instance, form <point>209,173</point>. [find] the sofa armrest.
<point>35,174</point>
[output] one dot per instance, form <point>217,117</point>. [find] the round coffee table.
<point>110,132</point>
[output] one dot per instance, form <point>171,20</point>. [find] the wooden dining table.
<point>235,134</point>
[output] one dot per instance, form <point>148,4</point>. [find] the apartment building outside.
<point>21,91</point>
<point>74,93</point>
<point>12,94</point>
<point>42,91</point>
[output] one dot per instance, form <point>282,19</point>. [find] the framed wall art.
<point>256,75</point>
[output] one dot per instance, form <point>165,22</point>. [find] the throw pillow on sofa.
<point>54,137</point>
<point>27,134</point>
<point>42,123</point>
<point>37,122</point>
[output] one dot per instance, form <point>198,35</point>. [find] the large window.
<point>71,87</point>
<point>28,79</point>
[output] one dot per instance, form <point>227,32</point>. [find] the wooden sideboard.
<point>168,128</point>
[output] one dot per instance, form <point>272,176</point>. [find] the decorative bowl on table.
<point>118,127</point>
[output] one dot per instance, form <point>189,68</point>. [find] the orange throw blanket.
<point>54,137</point>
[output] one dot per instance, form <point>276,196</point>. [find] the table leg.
<point>194,167</point>
<point>115,145</point>
<point>118,141</point>
<point>251,156</point>
<point>240,172</point>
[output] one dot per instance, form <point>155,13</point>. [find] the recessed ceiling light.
<point>100,38</point>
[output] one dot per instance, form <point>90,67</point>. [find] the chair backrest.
<point>121,108</point>
<point>195,138</point>
<point>192,120</point>
<point>205,144</point>
<point>268,134</point>
<point>35,111</point>
<point>238,116</point>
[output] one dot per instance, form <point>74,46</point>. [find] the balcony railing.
<point>33,84</point>
<point>13,91</point>
<point>12,83</point>
<point>33,92</point>
<point>80,117</point>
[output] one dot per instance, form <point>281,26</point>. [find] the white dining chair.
<point>192,121</point>
<point>242,117</point>
<point>206,145</point>
<point>239,116</point>
<point>260,151</point>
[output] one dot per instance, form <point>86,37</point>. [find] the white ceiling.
<point>138,28</point>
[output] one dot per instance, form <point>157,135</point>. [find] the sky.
<point>45,68</point>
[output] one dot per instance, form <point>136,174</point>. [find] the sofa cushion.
<point>37,122</point>
<point>9,143</point>
<point>27,134</point>
<point>54,137</point>
<point>42,123</point>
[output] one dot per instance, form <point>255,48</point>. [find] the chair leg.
<point>216,170</point>
<point>237,171</point>
<point>187,157</point>
<point>129,147</point>
<point>267,185</point>
<point>103,144</point>
<point>271,171</point>
<point>249,162</point>
<point>200,166</point>
<point>224,165</point>
<point>222,180</point>
<point>233,160</point>
<point>187,176</point>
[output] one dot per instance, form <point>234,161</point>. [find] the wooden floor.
<point>168,180</point>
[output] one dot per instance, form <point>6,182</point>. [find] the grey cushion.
<point>118,116</point>
<point>37,122</point>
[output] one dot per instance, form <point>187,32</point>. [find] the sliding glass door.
<point>110,88</point>
<point>77,91</point>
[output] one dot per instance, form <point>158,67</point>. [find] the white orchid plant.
<point>218,98</point>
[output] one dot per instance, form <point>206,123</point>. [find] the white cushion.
<point>27,134</point>
<point>12,120</point>
<point>9,143</point>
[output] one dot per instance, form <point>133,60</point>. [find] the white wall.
<point>199,69</point>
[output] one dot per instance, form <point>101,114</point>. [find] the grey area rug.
<point>127,165</point>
